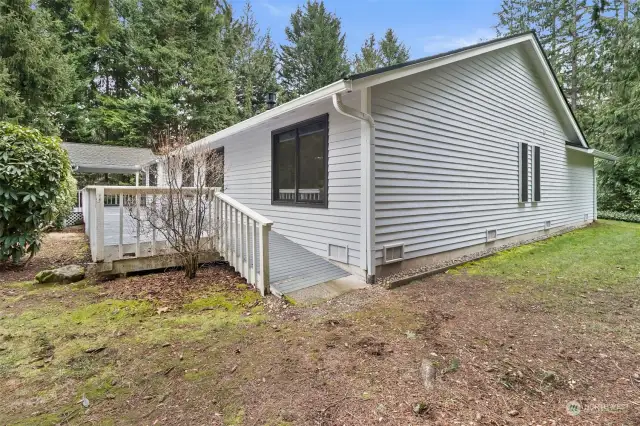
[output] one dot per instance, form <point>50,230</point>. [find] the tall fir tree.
<point>35,75</point>
<point>391,51</point>
<point>368,59</point>
<point>386,52</point>
<point>165,67</point>
<point>254,66</point>
<point>315,54</point>
<point>565,30</point>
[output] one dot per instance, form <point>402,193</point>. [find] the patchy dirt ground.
<point>58,249</point>
<point>544,334</point>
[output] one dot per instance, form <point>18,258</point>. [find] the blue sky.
<point>426,26</point>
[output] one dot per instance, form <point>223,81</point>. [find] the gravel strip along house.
<point>413,164</point>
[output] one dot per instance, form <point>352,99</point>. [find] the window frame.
<point>324,119</point>
<point>537,175</point>
<point>219,151</point>
<point>523,172</point>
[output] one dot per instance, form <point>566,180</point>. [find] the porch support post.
<point>264,259</point>
<point>595,191</point>
<point>99,224</point>
<point>137,178</point>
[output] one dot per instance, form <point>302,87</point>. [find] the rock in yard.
<point>64,275</point>
<point>428,373</point>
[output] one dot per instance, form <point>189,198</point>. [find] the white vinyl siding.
<point>446,163</point>
<point>247,178</point>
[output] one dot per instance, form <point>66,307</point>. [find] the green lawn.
<point>602,257</point>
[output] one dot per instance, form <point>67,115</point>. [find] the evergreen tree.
<point>315,54</point>
<point>35,76</point>
<point>565,30</point>
<point>254,66</point>
<point>80,45</point>
<point>11,106</point>
<point>388,51</point>
<point>165,67</point>
<point>391,51</point>
<point>369,57</point>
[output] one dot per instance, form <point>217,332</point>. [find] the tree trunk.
<point>190,265</point>
<point>574,57</point>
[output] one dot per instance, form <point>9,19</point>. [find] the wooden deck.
<point>292,267</point>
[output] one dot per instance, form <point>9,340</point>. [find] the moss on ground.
<point>600,257</point>
<point>69,335</point>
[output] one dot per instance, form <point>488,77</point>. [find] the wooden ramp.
<point>293,267</point>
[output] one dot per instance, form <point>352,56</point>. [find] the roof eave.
<point>593,152</point>
<point>325,92</point>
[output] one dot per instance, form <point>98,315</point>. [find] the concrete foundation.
<point>393,268</point>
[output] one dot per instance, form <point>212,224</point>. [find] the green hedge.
<point>625,217</point>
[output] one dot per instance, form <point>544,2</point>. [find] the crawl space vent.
<point>339,253</point>
<point>586,216</point>
<point>547,225</point>
<point>393,253</point>
<point>492,234</point>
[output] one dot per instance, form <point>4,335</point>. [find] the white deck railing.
<point>239,234</point>
<point>243,239</point>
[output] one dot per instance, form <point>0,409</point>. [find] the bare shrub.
<point>180,211</point>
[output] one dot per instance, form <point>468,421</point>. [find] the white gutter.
<point>594,152</point>
<point>367,206</point>
<point>351,112</point>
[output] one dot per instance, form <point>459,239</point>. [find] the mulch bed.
<point>172,287</point>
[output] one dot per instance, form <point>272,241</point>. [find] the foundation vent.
<point>393,253</point>
<point>338,253</point>
<point>547,225</point>
<point>586,216</point>
<point>492,234</point>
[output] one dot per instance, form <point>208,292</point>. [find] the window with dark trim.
<point>536,174</point>
<point>299,163</point>
<point>214,175</point>
<point>524,172</point>
<point>153,174</point>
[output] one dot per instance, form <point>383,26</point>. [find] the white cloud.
<point>444,43</point>
<point>277,9</point>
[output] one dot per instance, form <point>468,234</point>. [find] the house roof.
<point>394,72</point>
<point>94,158</point>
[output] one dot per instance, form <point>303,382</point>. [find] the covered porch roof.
<point>94,158</point>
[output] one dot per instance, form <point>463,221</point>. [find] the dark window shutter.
<point>524,172</point>
<point>536,173</point>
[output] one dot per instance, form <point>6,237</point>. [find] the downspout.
<point>367,153</point>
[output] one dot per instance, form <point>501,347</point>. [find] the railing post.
<point>254,248</point>
<point>121,235</point>
<point>153,229</point>
<point>264,259</point>
<point>99,224</point>
<point>137,224</point>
